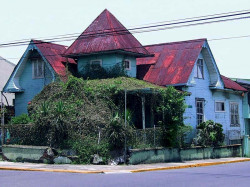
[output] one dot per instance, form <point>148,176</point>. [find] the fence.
<point>149,136</point>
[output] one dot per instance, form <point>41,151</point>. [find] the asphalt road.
<point>236,174</point>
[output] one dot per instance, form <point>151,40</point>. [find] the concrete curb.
<point>50,170</point>
<point>125,171</point>
<point>190,165</point>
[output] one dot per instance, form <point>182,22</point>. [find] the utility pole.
<point>2,120</point>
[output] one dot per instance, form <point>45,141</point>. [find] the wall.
<point>199,88</point>
<point>31,87</point>
<point>108,60</point>
<point>6,69</point>
<point>148,156</point>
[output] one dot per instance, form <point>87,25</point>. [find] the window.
<point>127,64</point>
<point>199,110</point>
<point>200,72</point>
<point>234,114</point>
<point>219,106</point>
<point>96,64</point>
<point>38,68</point>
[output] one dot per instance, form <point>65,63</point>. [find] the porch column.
<point>143,111</point>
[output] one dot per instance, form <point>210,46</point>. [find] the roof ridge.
<point>41,41</point>
<point>170,43</point>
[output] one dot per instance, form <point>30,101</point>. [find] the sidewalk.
<point>4,165</point>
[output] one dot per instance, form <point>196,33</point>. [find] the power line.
<point>132,27</point>
<point>134,30</point>
<point>211,40</point>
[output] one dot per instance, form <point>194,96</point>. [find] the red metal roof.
<point>230,84</point>
<point>105,34</point>
<point>53,54</point>
<point>173,62</point>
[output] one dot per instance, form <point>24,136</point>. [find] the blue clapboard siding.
<point>199,88</point>
<point>31,87</point>
<point>108,60</point>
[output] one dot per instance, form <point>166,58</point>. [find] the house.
<point>246,102</point>
<point>6,69</point>
<point>189,66</point>
<point>41,64</point>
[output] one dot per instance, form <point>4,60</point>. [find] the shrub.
<point>87,146</point>
<point>210,134</point>
<point>21,119</point>
<point>170,109</point>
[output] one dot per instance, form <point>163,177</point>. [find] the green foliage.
<point>116,132</point>
<point>98,72</point>
<point>170,110</point>
<point>210,134</point>
<point>87,146</point>
<point>21,119</point>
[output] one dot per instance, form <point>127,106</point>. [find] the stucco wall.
<point>6,69</point>
<point>31,87</point>
<point>199,88</point>
<point>148,156</point>
<point>108,60</point>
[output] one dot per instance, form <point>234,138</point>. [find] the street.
<point>236,174</point>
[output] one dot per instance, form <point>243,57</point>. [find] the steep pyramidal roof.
<point>106,34</point>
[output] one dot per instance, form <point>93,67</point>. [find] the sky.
<point>30,19</point>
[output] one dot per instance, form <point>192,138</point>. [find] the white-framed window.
<point>200,69</point>
<point>37,69</point>
<point>219,106</point>
<point>127,64</point>
<point>95,64</point>
<point>199,110</point>
<point>234,114</point>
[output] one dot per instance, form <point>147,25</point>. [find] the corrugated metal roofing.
<point>53,54</point>
<point>230,84</point>
<point>105,34</point>
<point>173,62</point>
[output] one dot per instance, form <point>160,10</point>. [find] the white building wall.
<point>6,69</point>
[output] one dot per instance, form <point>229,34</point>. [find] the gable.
<point>211,71</point>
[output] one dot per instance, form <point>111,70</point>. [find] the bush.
<point>22,119</point>
<point>170,110</point>
<point>210,134</point>
<point>87,146</point>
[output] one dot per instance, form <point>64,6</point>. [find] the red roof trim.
<point>230,84</point>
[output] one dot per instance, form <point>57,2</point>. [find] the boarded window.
<point>200,69</point>
<point>234,114</point>
<point>38,68</point>
<point>219,106</point>
<point>199,111</point>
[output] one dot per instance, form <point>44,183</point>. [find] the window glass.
<point>95,64</point>
<point>219,106</point>
<point>199,111</point>
<point>38,68</point>
<point>234,114</point>
<point>127,64</point>
<point>200,71</point>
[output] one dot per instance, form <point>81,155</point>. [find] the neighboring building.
<point>246,102</point>
<point>6,69</point>
<point>189,66</point>
<point>40,64</point>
